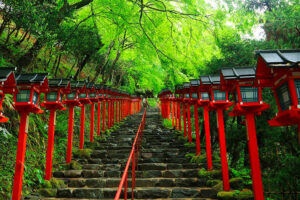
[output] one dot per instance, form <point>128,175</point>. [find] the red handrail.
<point>134,155</point>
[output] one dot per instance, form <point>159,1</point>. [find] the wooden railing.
<point>133,161</point>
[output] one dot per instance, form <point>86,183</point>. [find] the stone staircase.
<point>163,171</point>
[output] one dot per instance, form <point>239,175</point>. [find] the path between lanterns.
<point>163,172</point>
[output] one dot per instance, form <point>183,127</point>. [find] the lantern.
<point>194,93</point>
<point>104,99</point>
<point>279,69</point>
<point>26,101</point>
<point>219,102</point>
<point>53,102</point>
<point>7,86</point>
<point>71,101</point>
<point>248,102</point>
<point>179,91</point>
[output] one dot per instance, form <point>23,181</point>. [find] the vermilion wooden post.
<point>168,108</point>
<point>189,122</point>
<point>184,119</point>
<point>92,122</point>
<point>82,120</point>
<point>19,169</point>
<point>173,121</point>
<point>98,117</point>
<point>254,157</point>
<point>120,104</point>
<point>70,134</point>
<point>112,112</point>
<point>197,129</point>
<point>223,152</point>
<point>103,115</point>
<point>51,131</point>
<point>179,115</point>
<point>207,137</point>
<point>176,114</point>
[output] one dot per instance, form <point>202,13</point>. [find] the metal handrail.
<point>133,158</point>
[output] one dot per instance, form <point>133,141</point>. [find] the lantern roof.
<point>280,58</point>
<point>63,83</point>
<point>31,78</point>
<point>5,72</point>
<point>90,85</point>
<point>210,80</point>
<point>238,73</point>
<point>195,82</point>
<point>186,85</point>
<point>98,86</point>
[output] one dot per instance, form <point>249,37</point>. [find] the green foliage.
<point>167,123</point>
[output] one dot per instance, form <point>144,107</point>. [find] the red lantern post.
<point>248,102</point>
<point>53,102</point>
<point>26,101</point>
<point>71,101</point>
<point>83,99</point>
<point>219,102</point>
<point>92,94</point>
<point>98,88</point>
<point>204,101</point>
<point>194,93</point>
<point>7,86</point>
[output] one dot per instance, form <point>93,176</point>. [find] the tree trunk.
<point>81,65</point>
<point>69,74</point>
<point>27,58</point>
<point>22,39</point>
<point>111,67</point>
<point>57,66</point>
<point>9,33</point>
<point>101,66</point>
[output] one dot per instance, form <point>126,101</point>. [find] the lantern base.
<point>3,119</point>
<point>85,101</point>
<point>28,108</point>
<point>286,118</point>
<point>53,106</point>
<point>220,104</point>
<point>70,103</point>
<point>246,108</point>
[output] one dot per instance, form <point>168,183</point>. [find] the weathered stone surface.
<point>88,193</point>
<point>153,166</point>
<point>72,173</point>
<point>76,183</point>
<point>183,192</point>
<point>165,183</point>
<point>95,183</point>
<point>91,173</point>
<point>151,174</point>
<point>236,183</point>
<point>47,192</point>
<point>65,193</point>
<point>152,193</point>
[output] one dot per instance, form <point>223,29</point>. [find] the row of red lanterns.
<point>278,69</point>
<point>58,93</point>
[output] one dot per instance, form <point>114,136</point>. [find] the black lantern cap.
<point>186,85</point>
<point>5,72</point>
<point>90,85</point>
<point>31,78</point>
<point>238,73</point>
<point>210,80</point>
<point>59,82</point>
<point>195,82</point>
<point>280,58</point>
<point>178,87</point>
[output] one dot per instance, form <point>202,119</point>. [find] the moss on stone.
<point>213,182</point>
<point>57,183</point>
<point>225,195</point>
<point>75,165</point>
<point>218,186</point>
<point>46,184</point>
<point>244,194</point>
<point>236,183</point>
<point>210,174</point>
<point>83,153</point>
<point>47,192</point>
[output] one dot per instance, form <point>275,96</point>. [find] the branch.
<point>80,4</point>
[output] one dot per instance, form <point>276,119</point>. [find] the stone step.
<point>140,182</point>
<point>140,199</point>
<point>139,192</point>
<point>167,173</point>
<point>110,167</point>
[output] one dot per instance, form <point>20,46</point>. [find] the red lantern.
<point>71,100</point>
<point>248,102</point>
<point>98,88</point>
<point>53,102</point>
<point>26,101</point>
<point>219,102</point>
<point>7,86</point>
<point>279,69</point>
<point>83,99</point>
<point>93,99</point>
